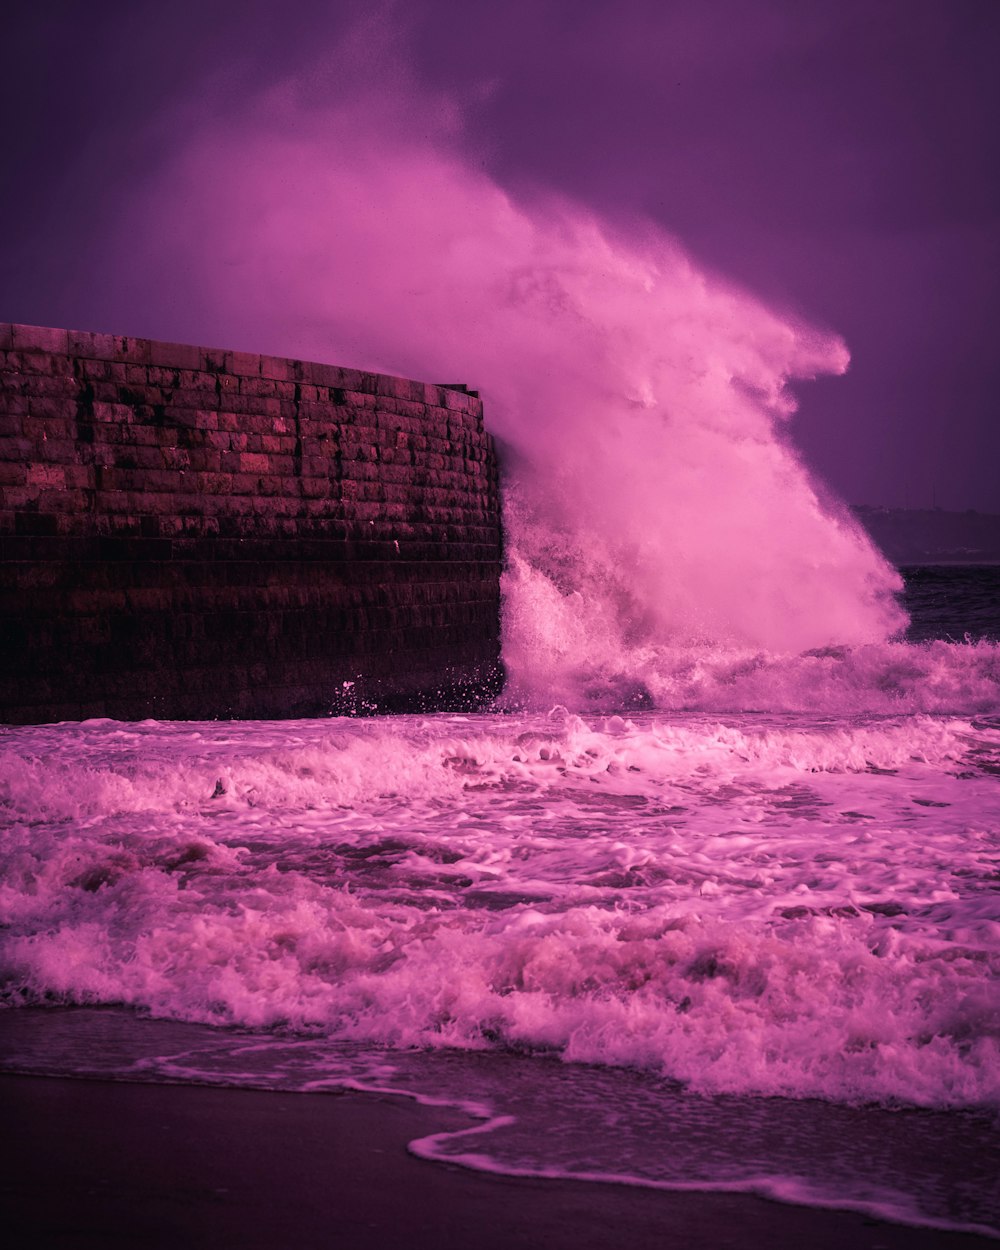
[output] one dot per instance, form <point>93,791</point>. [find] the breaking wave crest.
<point>654,499</point>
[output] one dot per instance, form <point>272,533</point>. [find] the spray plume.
<point>654,502</point>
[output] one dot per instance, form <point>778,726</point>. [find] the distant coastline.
<point>932,535</point>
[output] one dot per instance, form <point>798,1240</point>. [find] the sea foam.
<point>750,906</point>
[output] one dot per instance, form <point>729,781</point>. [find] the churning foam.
<point>804,909</point>
<point>653,497</point>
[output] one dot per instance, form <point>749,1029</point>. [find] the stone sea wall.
<point>191,533</point>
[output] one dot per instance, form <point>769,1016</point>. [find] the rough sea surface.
<point>758,948</point>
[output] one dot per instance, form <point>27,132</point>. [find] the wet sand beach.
<point>89,1164</point>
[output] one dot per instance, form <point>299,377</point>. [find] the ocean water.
<point>756,945</point>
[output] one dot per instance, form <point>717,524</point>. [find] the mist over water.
<point>654,501</point>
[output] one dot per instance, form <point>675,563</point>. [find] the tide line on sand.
<point>96,1163</point>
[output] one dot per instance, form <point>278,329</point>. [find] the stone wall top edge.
<point>95,345</point>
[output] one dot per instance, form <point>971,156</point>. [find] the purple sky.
<point>838,159</point>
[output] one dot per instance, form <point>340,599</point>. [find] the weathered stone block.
<point>196,380</point>
<point>192,418</point>
<point>210,483</point>
<point>12,406</point>
<point>257,386</point>
<point>57,386</point>
<point>242,364</point>
<point>55,449</point>
<point>86,344</point>
<point>39,339</point>
<point>47,408</point>
<point>248,406</point>
<point>204,401</point>
<point>175,355</point>
<point>279,368</point>
<point>16,448</point>
<point>112,413</point>
<point>356,399</point>
<point>127,349</point>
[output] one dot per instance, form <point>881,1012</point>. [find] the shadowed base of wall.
<point>244,638</point>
